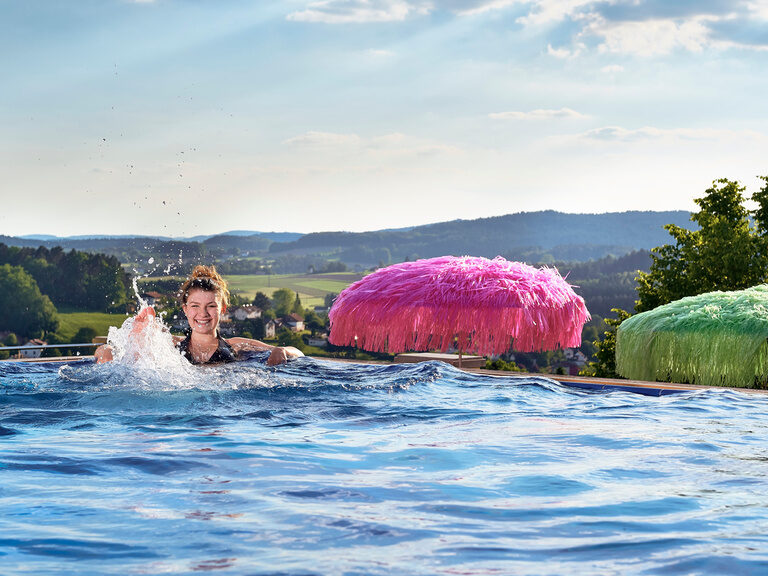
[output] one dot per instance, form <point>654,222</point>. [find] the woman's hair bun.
<point>205,278</point>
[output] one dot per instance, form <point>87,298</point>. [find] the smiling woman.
<point>204,297</point>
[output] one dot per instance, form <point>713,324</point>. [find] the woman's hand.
<point>281,355</point>
<point>144,316</point>
<point>103,354</point>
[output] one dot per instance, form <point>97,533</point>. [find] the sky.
<point>179,118</point>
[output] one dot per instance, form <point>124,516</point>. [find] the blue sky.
<point>195,117</point>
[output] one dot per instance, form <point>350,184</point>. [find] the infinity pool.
<point>330,468</point>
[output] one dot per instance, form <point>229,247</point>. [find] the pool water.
<point>333,468</point>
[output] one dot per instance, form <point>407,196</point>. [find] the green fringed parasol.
<point>714,339</point>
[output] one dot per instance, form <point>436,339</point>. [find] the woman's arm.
<point>279,355</point>
<point>103,354</point>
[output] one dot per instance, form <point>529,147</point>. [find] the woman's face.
<point>202,310</point>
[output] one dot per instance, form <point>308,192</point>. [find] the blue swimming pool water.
<point>330,468</point>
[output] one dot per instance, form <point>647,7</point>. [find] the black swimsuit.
<point>224,353</point>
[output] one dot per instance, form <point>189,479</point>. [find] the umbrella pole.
<point>459,358</point>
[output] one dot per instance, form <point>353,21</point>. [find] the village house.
<point>151,298</point>
<point>575,360</point>
<point>31,351</point>
<point>294,322</point>
<point>320,340</point>
<point>271,327</point>
<point>246,312</point>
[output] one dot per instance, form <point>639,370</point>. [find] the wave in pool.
<point>320,467</point>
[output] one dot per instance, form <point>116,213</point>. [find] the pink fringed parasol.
<point>489,306</point>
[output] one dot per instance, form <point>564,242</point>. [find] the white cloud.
<point>393,144</point>
<point>323,139</point>
<point>758,9</point>
<point>650,37</point>
<point>536,114</point>
<point>550,11</point>
<point>373,53</point>
<point>612,69</point>
<point>360,11</point>
<point>565,53</point>
<point>620,134</point>
<point>482,6</point>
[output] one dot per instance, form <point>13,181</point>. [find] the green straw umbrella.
<point>714,339</point>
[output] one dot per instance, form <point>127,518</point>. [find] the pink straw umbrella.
<point>488,306</point>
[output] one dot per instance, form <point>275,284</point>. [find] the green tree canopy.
<point>282,301</point>
<point>261,300</point>
<point>297,308</point>
<point>727,252</point>
<point>86,281</point>
<point>23,309</point>
<point>84,335</point>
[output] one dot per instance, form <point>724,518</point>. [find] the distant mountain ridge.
<point>273,236</point>
<point>563,236</point>
<point>534,237</point>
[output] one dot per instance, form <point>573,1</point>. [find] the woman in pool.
<point>204,297</point>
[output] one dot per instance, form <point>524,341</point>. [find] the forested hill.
<point>561,236</point>
<point>534,237</point>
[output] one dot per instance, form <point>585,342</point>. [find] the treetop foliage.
<point>729,250</point>
<point>23,309</point>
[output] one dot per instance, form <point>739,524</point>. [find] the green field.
<point>71,322</point>
<point>311,288</point>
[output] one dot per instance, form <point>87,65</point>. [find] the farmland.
<point>71,322</point>
<point>311,288</point>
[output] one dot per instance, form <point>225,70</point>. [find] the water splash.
<point>144,341</point>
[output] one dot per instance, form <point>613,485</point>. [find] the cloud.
<point>394,145</point>
<point>612,69</point>
<point>758,9</point>
<point>565,53</point>
<point>379,54</point>
<point>537,114</point>
<point>620,134</point>
<point>360,11</point>
<point>550,11</point>
<point>472,7</point>
<point>650,37</point>
<point>323,140</point>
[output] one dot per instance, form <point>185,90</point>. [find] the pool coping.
<point>584,382</point>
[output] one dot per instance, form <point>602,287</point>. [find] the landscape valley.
<point>599,254</point>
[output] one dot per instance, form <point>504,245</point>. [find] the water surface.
<point>329,468</point>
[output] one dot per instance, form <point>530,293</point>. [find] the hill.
<point>533,236</point>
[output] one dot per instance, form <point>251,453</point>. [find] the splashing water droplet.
<point>151,260</point>
<point>148,345</point>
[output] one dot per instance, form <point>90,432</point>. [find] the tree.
<point>261,300</point>
<point>297,308</point>
<point>287,338</point>
<point>84,335</point>
<point>329,298</point>
<point>313,321</point>
<point>282,301</point>
<point>604,365</point>
<point>10,340</point>
<point>727,252</point>
<point>23,309</point>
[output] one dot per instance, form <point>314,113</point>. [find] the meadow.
<point>71,322</point>
<point>311,288</point>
